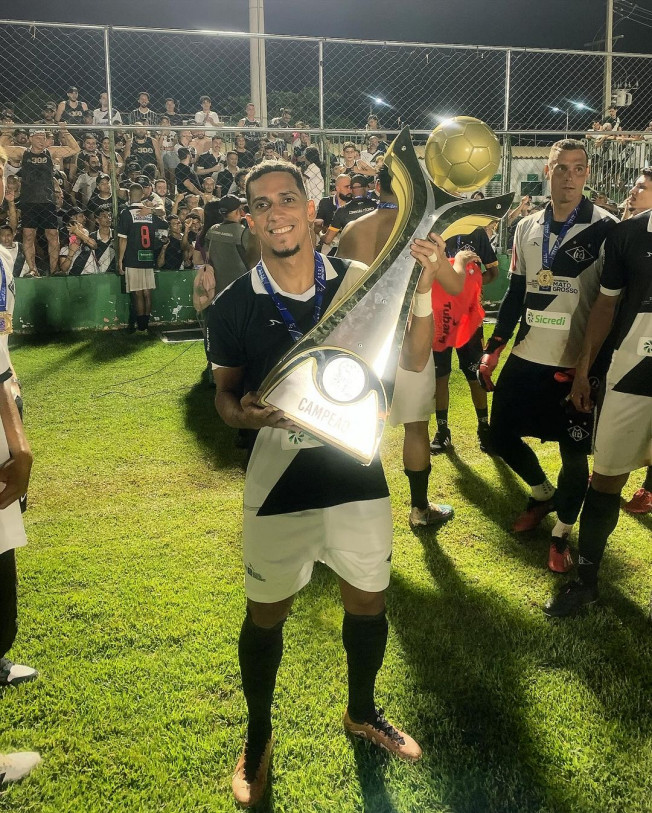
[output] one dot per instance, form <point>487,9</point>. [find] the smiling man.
<point>304,501</point>
<point>556,265</point>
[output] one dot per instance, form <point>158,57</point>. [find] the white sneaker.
<point>432,515</point>
<point>11,674</point>
<point>14,767</point>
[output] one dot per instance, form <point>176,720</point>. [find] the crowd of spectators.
<point>66,222</point>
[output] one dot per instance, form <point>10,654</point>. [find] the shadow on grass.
<point>473,658</point>
<point>500,503</point>
<point>371,764</point>
<point>215,438</point>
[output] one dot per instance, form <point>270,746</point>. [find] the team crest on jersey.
<point>579,254</point>
<point>254,575</point>
<point>577,433</point>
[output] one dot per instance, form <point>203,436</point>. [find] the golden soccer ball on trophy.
<point>462,154</point>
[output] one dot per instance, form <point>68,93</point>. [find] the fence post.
<point>112,163</point>
<point>508,71</point>
<point>506,183</point>
<point>321,84</point>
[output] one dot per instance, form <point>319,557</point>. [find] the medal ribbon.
<point>288,319</point>
<point>548,256</point>
<point>3,288</point>
<point>386,205</point>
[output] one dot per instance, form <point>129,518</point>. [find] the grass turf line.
<point>131,601</point>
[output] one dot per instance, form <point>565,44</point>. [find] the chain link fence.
<point>331,88</point>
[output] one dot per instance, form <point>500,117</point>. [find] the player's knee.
<point>608,484</point>
<point>270,615</point>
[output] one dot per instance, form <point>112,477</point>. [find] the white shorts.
<point>354,539</point>
<point>139,279</point>
<point>414,395</point>
<point>623,441</point>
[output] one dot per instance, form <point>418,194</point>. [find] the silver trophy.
<point>337,381</point>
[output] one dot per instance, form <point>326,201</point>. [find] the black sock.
<point>365,639</point>
<point>647,485</point>
<point>259,651</point>
<point>598,519</point>
<point>418,487</point>
<point>442,419</point>
<point>483,415</point>
<point>141,322</point>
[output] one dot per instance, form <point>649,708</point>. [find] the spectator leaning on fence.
<point>78,257</point>
<point>250,120</point>
<point>103,237</point>
<point>37,197</point>
<point>176,119</point>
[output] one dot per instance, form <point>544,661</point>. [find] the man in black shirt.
<point>139,233</point>
<point>360,205</point>
<point>144,149</point>
<point>226,178</point>
<point>623,440</point>
<point>291,481</point>
<point>71,110</point>
<point>328,206</point>
<point>171,255</point>
<point>186,179</point>
<point>100,201</point>
<point>37,192</point>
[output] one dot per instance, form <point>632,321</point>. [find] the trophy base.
<point>334,396</point>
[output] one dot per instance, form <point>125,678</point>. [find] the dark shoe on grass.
<point>572,598</point>
<point>441,442</point>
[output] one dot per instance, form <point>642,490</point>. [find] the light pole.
<point>571,106</point>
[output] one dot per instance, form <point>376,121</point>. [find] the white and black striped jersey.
<point>556,309</point>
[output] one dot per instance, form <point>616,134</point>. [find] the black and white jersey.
<point>104,253</point>
<point>352,211</point>
<point>477,241</point>
<point>37,177</point>
<point>72,114</point>
<point>143,232</point>
<point>97,204</point>
<point>628,271</point>
<point>143,152</point>
<point>244,329</point>
<point>556,308</point>
<point>326,210</point>
<point>149,117</point>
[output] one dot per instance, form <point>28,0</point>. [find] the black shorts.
<point>468,357</point>
<point>39,216</point>
<point>529,402</point>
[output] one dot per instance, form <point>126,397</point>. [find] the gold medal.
<point>5,323</point>
<point>545,278</point>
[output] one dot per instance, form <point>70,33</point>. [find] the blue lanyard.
<point>548,256</point>
<point>320,287</point>
<point>386,205</point>
<point>3,288</point>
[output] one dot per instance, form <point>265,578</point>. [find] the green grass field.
<point>131,602</point>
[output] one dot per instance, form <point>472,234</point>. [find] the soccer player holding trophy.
<point>314,343</point>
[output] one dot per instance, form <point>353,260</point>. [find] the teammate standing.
<point>412,406</point>
<point>138,247</point>
<point>303,500</point>
<point>624,438</point>
<point>556,264</point>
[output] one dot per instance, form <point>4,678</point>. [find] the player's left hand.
<point>14,478</point>
<point>429,253</point>
<point>580,393</point>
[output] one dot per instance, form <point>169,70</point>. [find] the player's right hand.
<point>580,394</point>
<point>121,270</point>
<point>257,416</point>
<point>489,362</point>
